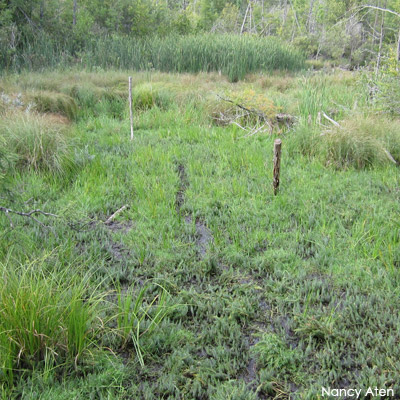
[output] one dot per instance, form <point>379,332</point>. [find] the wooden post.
<point>130,105</point>
<point>277,164</point>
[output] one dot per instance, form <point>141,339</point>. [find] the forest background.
<point>350,32</point>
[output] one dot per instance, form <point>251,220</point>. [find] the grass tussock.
<point>51,320</point>
<point>53,102</point>
<point>36,142</point>
<point>140,314</point>
<point>147,95</point>
<point>44,319</point>
<point>362,142</point>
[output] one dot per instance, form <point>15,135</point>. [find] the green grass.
<point>46,319</point>
<point>36,142</point>
<point>234,55</point>
<point>268,296</point>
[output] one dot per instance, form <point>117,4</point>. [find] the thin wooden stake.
<point>130,105</point>
<point>277,164</point>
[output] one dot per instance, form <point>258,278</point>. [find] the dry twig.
<point>109,220</point>
<point>29,214</point>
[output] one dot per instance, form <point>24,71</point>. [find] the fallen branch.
<point>29,214</point>
<point>331,120</point>
<point>240,126</point>
<point>260,115</point>
<point>286,119</point>
<point>390,157</point>
<point>252,133</point>
<point>110,219</point>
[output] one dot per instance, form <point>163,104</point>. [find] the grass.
<point>234,55</point>
<point>362,142</point>
<point>135,319</point>
<point>268,296</point>
<point>36,142</point>
<point>45,319</point>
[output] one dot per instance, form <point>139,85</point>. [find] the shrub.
<point>384,89</point>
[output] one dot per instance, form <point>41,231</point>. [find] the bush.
<point>383,90</point>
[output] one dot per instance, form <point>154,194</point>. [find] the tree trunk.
<point>378,61</point>
<point>74,13</point>
<point>398,52</point>
<point>285,12</point>
<point>244,19</point>
<point>41,12</point>
<point>310,16</point>
<point>375,30</point>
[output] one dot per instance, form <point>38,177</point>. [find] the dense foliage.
<point>354,31</point>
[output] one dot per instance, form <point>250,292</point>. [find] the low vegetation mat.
<point>165,267</point>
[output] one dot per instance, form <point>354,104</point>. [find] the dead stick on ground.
<point>331,120</point>
<point>29,214</point>
<point>130,105</point>
<point>109,220</point>
<point>390,157</point>
<point>277,164</point>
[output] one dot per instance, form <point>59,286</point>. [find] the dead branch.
<point>29,214</point>
<point>254,131</point>
<point>110,219</point>
<point>286,119</point>
<point>390,157</point>
<point>331,120</point>
<point>379,9</point>
<point>259,114</point>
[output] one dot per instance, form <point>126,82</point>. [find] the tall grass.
<point>52,320</point>
<point>136,315</point>
<point>44,319</point>
<point>35,142</point>
<point>362,142</point>
<point>233,55</point>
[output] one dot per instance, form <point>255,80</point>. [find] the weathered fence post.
<point>277,164</point>
<point>130,105</point>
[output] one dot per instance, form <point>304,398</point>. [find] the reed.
<point>233,55</point>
